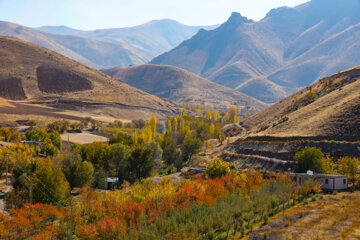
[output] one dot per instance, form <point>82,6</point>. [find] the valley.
<point>245,130</point>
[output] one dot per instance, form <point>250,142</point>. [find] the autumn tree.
<point>169,128</point>
<point>99,154</point>
<point>153,126</point>
<point>175,124</point>
<point>49,182</point>
<point>349,166</point>
<point>310,159</point>
<point>218,168</point>
<point>233,114</point>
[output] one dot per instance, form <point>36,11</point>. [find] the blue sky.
<point>96,14</point>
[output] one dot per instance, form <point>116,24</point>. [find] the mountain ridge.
<point>288,49</point>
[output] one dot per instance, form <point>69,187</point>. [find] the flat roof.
<point>316,175</point>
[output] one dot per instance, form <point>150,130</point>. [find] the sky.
<point>98,14</point>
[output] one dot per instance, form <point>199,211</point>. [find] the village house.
<point>330,182</point>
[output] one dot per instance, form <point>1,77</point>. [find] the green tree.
<point>310,159</point>
<point>77,173</point>
<point>141,163</point>
<point>190,147</point>
<point>169,150</point>
<point>99,154</point>
<point>49,182</point>
<point>120,160</point>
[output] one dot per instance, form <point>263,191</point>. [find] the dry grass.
<point>82,138</point>
<point>333,113</point>
<point>108,96</point>
<point>333,217</point>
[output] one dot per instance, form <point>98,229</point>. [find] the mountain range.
<point>269,59</point>
<point>106,48</point>
<point>180,86</point>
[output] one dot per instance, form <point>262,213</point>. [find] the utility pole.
<point>31,190</point>
<point>71,199</point>
<point>7,168</point>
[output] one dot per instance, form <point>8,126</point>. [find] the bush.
<point>305,202</point>
<point>217,168</point>
<point>313,198</point>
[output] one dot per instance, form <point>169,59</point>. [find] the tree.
<point>99,154</point>
<point>141,163</point>
<point>190,147</point>
<point>119,160</point>
<point>233,114</point>
<point>310,159</point>
<point>77,173</point>
<point>169,150</point>
<point>350,166</point>
<point>153,126</point>
<point>49,182</point>
<point>217,168</point>
<point>123,138</point>
<point>169,128</point>
<point>175,125</point>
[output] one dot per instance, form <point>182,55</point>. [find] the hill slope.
<point>180,86</point>
<point>269,59</point>
<point>329,107</point>
<point>106,47</point>
<point>37,75</point>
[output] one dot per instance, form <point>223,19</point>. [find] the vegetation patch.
<point>55,80</point>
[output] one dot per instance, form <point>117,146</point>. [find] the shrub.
<point>305,202</point>
<point>310,159</point>
<point>217,168</point>
<point>313,198</point>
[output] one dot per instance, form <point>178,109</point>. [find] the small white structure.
<point>328,181</point>
<point>110,182</point>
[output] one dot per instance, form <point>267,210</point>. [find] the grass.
<point>325,218</point>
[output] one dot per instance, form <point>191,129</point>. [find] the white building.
<point>328,181</point>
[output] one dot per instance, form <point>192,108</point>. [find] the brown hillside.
<point>329,107</point>
<point>181,86</point>
<point>37,75</point>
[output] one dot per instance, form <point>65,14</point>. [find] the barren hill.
<point>181,86</point>
<point>330,107</point>
<point>37,75</point>
<point>269,59</point>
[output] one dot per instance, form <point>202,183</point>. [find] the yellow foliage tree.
<point>169,128</point>
<point>153,126</point>
<point>175,124</point>
<point>233,114</point>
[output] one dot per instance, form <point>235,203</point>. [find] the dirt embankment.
<point>278,154</point>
